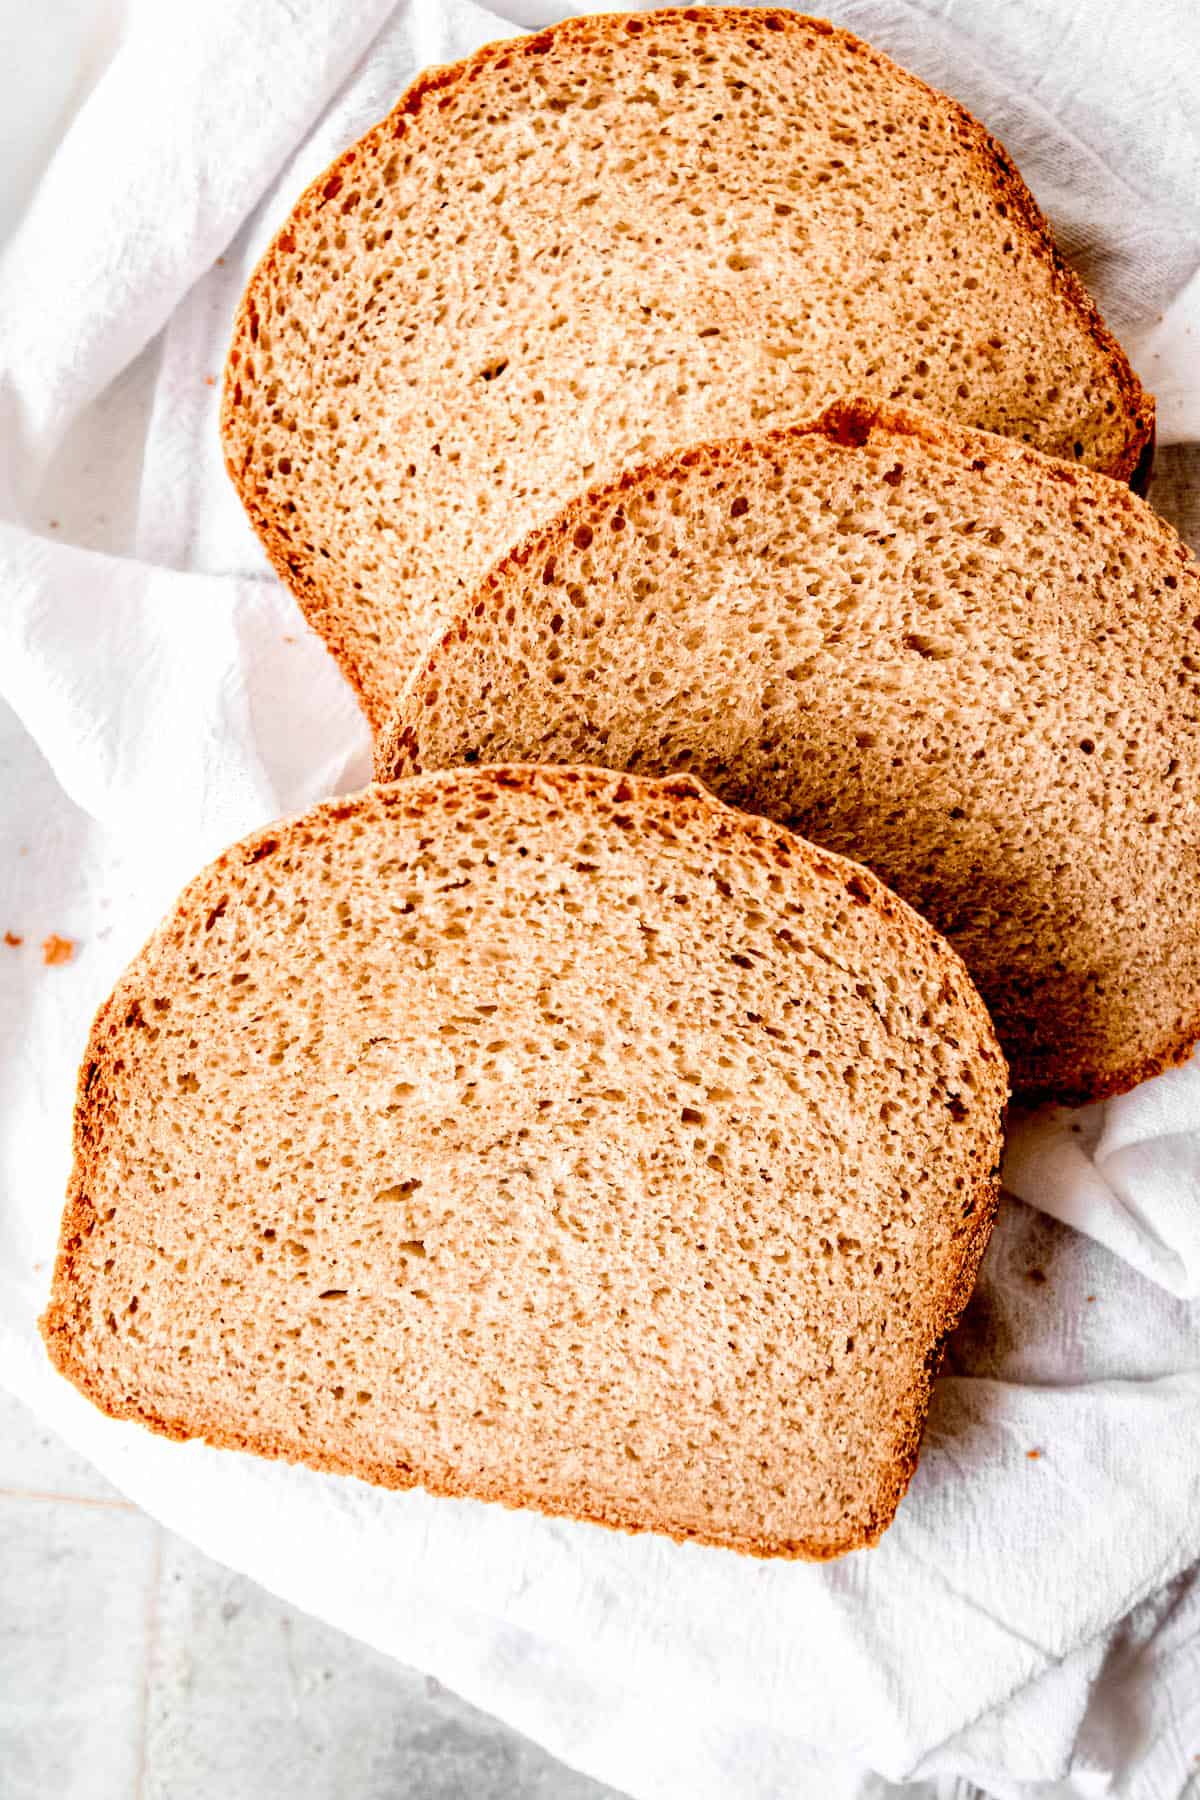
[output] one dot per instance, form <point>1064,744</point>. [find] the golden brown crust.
<point>848,422</point>
<point>1143,473</point>
<point>597,30</point>
<point>61,1349</point>
<point>403,1480</point>
<point>62,1326</point>
<point>1134,459</point>
<point>1111,1084</point>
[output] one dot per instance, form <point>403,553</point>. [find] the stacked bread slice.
<point>574,252</point>
<point>538,1126</point>
<point>971,666</point>
<point>545,1135</point>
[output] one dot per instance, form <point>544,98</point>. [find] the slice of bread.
<point>546,1136</point>
<point>966,664</point>
<point>628,233</point>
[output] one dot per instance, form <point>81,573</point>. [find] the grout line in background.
<point>149,1652</point>
<point>54,1498</point>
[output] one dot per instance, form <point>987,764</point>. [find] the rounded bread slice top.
<point>540,1135</point>
<point>968,665</point>
<point>577,250</point>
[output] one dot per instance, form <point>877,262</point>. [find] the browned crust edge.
<point>1111,1085</point>
<point>997,167</point>
<point>1143,474</point>
<point>67,1347</point>
<point>848,423</point>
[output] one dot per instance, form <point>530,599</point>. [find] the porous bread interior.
<point>572,253</point>
<point>954,659</point>
<point>544,1136</point>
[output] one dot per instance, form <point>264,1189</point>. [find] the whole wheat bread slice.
<point>966,664</point>
<point>547,1136</point>
<point>628,233</point>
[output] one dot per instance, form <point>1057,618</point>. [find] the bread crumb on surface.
<point>57,950</point>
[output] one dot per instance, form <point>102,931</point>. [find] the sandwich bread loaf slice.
<point>580,249</point>
<point>970,666</point>
<point>546,1136</point>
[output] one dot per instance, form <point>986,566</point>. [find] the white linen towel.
<point>1030,1617</point>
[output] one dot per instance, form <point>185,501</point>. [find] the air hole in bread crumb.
<point>403,1190</point>
<point>932,649</point>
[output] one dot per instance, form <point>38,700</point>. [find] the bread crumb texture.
<point>962,662</point>
<point>545,1136</point>
<point>577,250</point>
